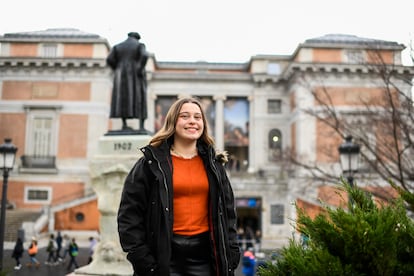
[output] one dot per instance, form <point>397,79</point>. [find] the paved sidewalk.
<point>43,270</point>
<point>46,270</point>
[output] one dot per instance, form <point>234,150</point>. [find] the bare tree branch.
<point>383,124</point>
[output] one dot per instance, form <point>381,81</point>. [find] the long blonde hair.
<point>168,129</point>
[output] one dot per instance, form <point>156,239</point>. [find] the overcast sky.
<point>216,30</point>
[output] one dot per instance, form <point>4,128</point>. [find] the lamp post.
<point>7,157</point>
<point>349,157</point>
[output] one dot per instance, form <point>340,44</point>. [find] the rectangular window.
<point>4,49</point>
<point>273,69</point>
<point>49,50</point>
<point>355,56</point>
<point>236,133</point>
<point>369,135</point>
<point>274,106</point>
<point>41,137</point>
<point>277,212</point>
<point>38,195</point>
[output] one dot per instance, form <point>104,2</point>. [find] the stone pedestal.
<point>108,169</point>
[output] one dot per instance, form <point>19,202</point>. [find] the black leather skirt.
<point>191,255</point>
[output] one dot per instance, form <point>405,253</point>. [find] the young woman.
<point>177,215</point>
<point>32,250</point>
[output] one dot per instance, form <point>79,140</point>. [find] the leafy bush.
<point>364,239</point>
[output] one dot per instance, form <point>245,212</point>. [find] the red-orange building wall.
<point>67,219</point>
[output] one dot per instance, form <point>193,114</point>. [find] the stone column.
<point>252,136</point>
<point>219,123</point>
<point>108,169</point>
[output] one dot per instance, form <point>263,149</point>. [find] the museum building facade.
<point>55,91</point>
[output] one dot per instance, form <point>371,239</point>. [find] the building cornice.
<point>295,67</point>
<point>201,65</point>
<point>200,76</point>
<point>78,63</point>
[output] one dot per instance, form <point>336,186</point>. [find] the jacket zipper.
<point>220,218</point>
<point>164,178</point>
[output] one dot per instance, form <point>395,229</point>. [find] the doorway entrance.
<point>249,222</point>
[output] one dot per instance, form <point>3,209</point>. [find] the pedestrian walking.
<point>249,263</point>
<point>51,250</point>
<point>18,253</point>
<point>59,240</point>
<point>65,246</point>
<point>32,250</point>
<point>92,245</point>
<point>73,253</point>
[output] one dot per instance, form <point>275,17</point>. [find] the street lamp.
<point>7,157</point>
<point>349,157</point>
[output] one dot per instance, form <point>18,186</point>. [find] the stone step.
<point>14,221</point>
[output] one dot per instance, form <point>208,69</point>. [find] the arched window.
<point>275,145</point>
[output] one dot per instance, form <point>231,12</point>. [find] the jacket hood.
<point>222,156</point>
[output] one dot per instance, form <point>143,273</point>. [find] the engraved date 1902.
<point>122,146</point>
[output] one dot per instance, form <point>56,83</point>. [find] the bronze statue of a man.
<point>129,92</point>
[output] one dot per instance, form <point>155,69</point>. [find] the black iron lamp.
<point>349,157</point>
<point>7,158</point>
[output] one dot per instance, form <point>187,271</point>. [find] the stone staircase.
<point>14,221</point>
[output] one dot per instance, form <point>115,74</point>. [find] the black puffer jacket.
<point>145,216</point>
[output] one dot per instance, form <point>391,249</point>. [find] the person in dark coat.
<point>129,99</point>
<point>177,214</point>
<point>59,240</point>
<point>51,250</point>
<point>18,253</point>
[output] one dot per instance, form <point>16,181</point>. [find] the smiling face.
<point>189,125</point>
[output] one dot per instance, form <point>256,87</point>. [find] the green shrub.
<point>364,239</point>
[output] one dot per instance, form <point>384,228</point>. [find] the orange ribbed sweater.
<point>190,196</point>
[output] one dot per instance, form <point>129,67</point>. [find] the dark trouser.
<point>51,256</point>
<point>57,256</point>
<point>72,262</point>
<point>17,258</point>
<point>191,256</point>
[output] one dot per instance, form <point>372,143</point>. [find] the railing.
<point>38,162</point>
